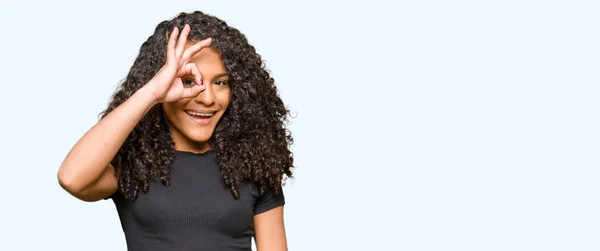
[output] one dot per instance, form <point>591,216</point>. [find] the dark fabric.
<point>197,212</point>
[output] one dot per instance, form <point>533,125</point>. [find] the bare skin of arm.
<point>270,230</point>
<point>86,172</point>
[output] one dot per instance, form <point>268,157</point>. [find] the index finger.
<point>192,69</point>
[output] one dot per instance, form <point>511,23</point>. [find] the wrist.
<point>146,95</point>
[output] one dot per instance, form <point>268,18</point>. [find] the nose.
<point>206,97</point>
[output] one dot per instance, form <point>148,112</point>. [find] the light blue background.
<point>421,125</point>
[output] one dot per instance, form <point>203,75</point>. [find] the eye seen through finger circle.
<point>188,82</point>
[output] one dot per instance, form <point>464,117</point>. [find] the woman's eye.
<point>221,82</point>
<point>188,82</point>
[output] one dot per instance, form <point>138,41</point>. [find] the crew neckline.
<point>193,153</point>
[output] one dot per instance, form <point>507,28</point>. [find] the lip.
<point>200,111</point>
<point>202,121</point>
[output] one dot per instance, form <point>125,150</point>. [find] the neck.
<point>182,143</point>
<point>197,147</point>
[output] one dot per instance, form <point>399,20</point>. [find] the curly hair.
<point>251,140</point>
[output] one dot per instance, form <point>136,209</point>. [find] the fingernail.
<point>201,82</point>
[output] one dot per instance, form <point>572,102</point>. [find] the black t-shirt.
<point>196,212</point>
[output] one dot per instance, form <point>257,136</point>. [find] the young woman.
<point>193,148</point>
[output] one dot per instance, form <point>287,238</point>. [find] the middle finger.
<point>182,40</point>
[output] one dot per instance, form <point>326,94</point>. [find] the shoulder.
<point>269,199</point>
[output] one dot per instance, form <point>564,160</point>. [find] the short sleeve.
<point>268,201</point>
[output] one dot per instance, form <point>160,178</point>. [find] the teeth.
<point>199,114</point>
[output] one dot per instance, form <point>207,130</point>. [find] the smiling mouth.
<point>203,117</point>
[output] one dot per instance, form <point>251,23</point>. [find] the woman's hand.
<point>86,172</point>
<point>166,85</point>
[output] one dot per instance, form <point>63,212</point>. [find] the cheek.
<point>223,98</point>
<point>173,110</point>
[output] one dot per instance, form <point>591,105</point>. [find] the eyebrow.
<point>220,75</point>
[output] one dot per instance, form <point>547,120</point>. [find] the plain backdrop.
<point>419,125</point>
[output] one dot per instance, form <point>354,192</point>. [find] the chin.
<point>190,132</point>
<point>200,135</point>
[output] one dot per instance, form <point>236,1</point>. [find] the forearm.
<point>92,154</point>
